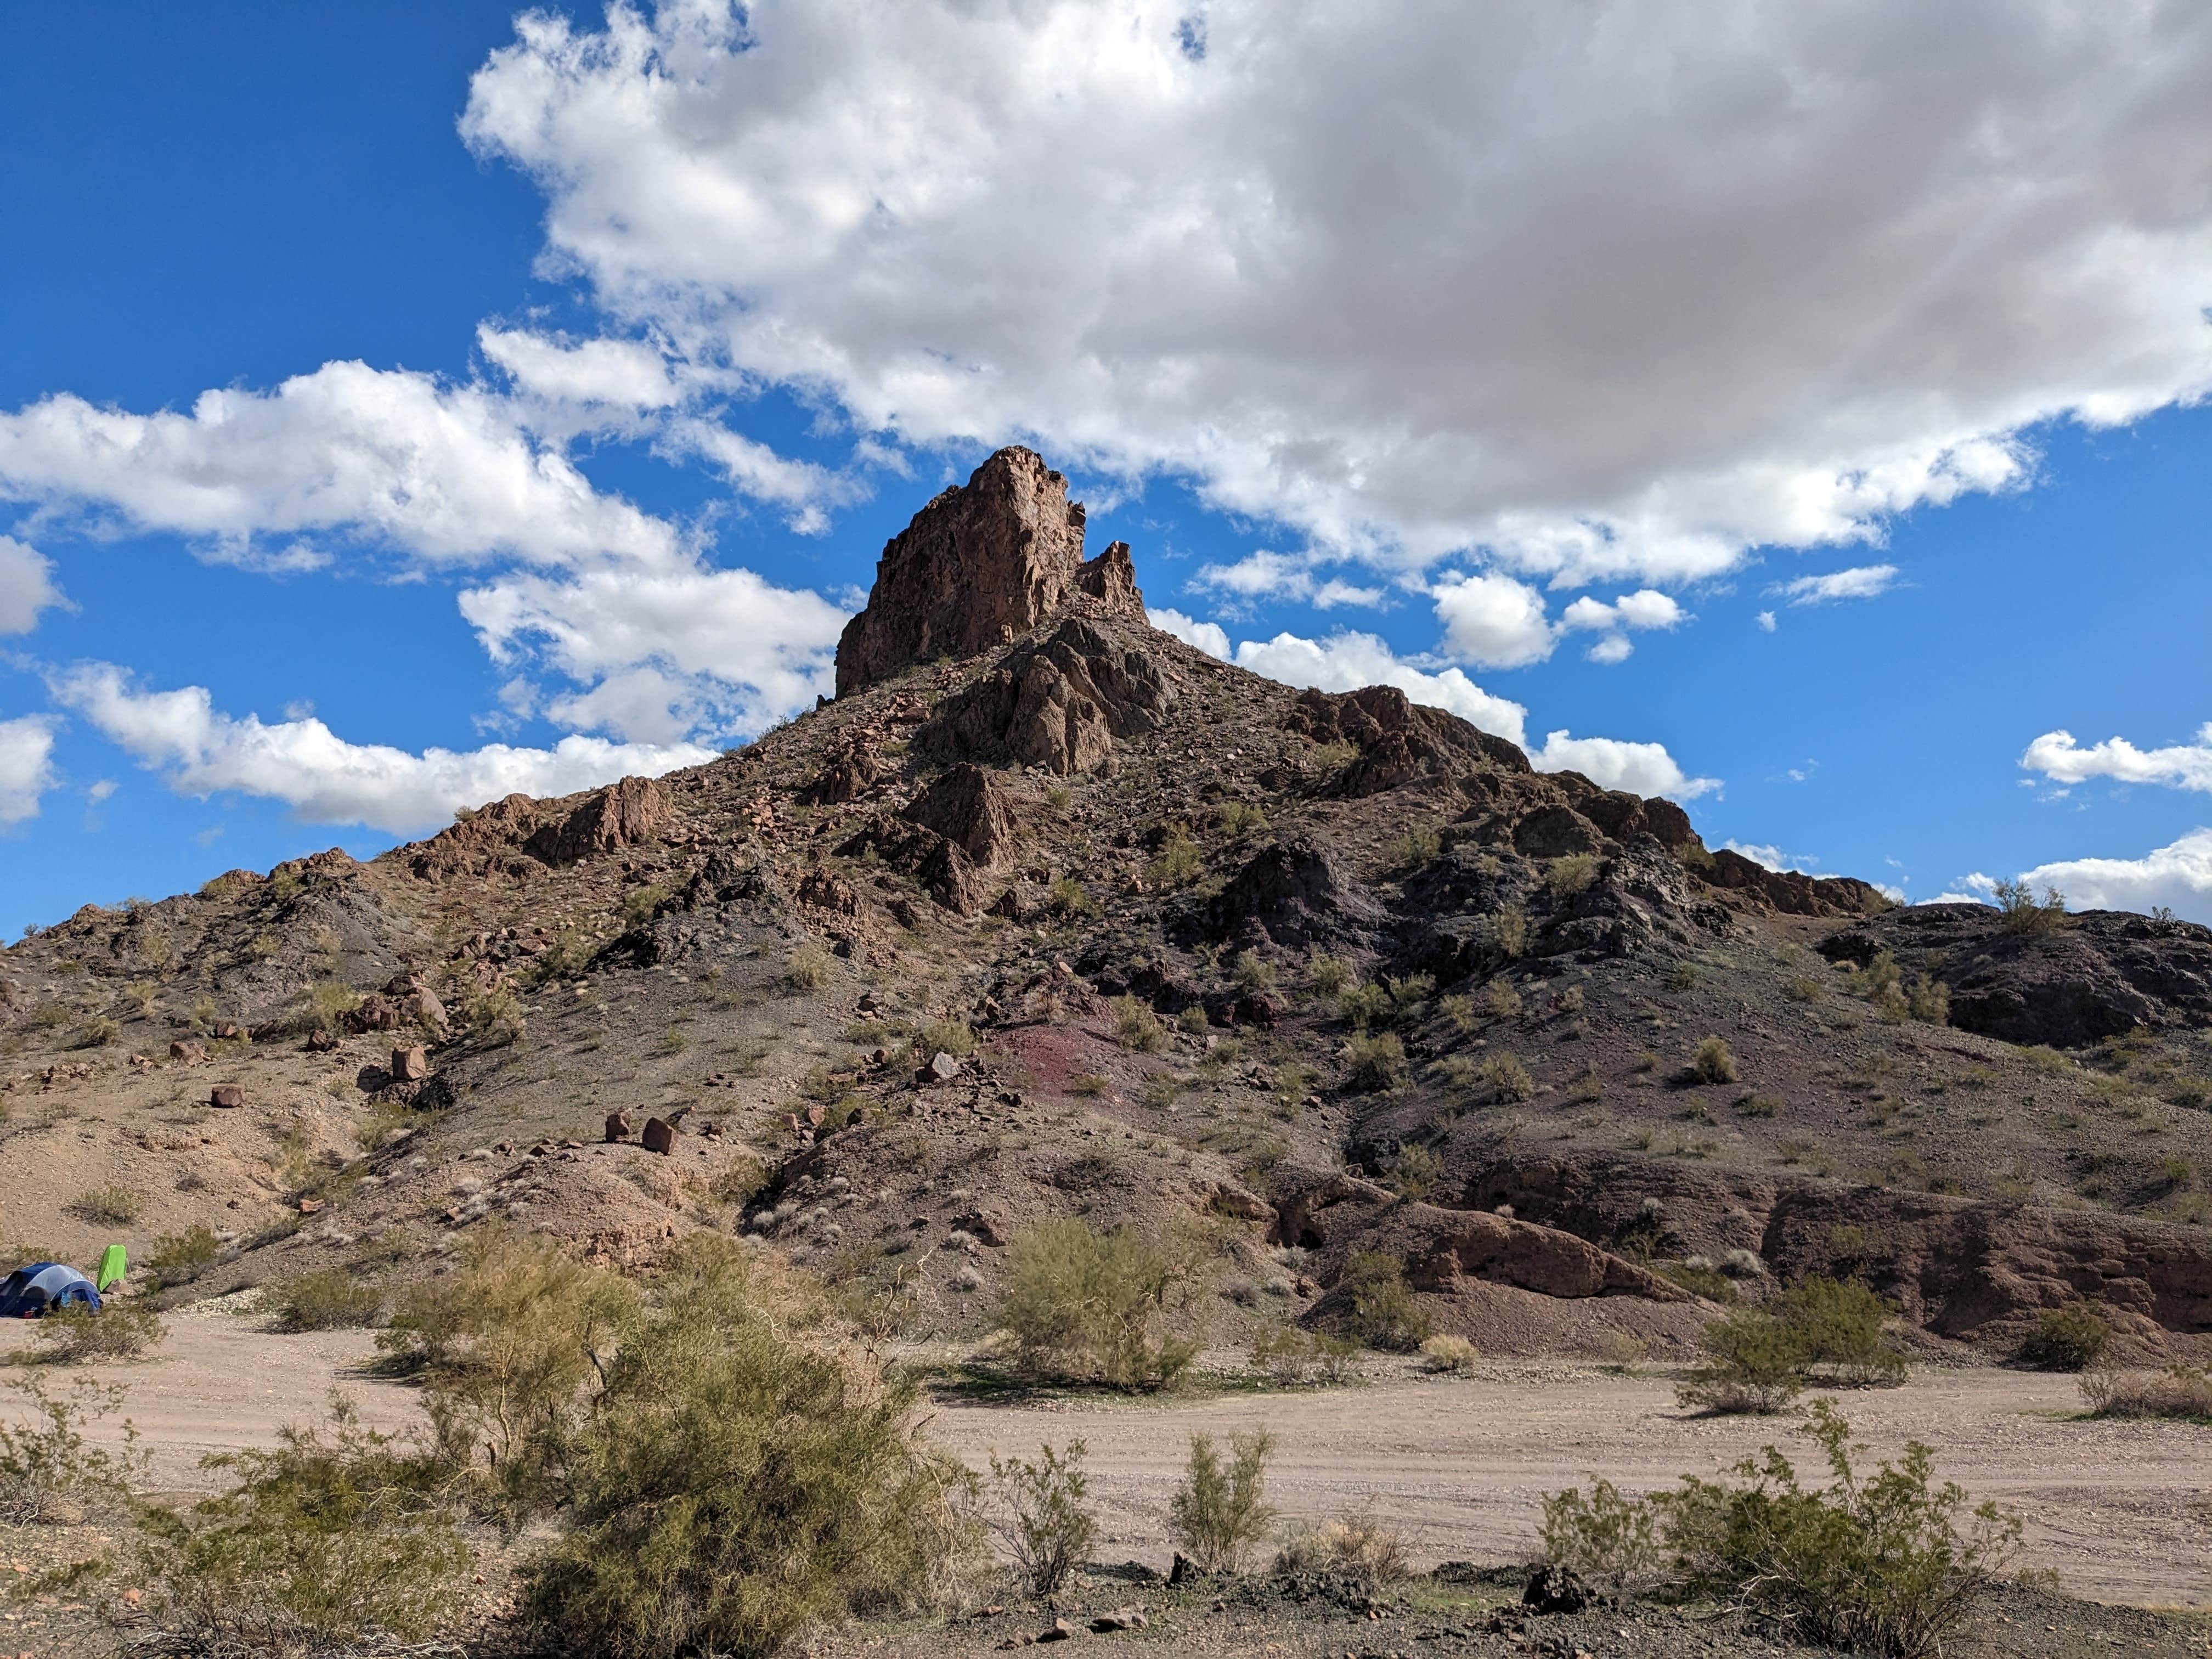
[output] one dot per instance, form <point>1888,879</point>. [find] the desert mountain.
<point>1049,915</point>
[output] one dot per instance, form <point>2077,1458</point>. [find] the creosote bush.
<point>1572,873</point>
<point>1712,1062</point>
<point>807,968</point>
<point>120,1330</point>
<point>332,1538</point>
<point>2068,1339</point>
<point>734,1487</point>
<point>1503,1078</point>
<point>1045,1525</point>
<point>1374,1060</point>
<point>1820,1330</point>
<point>180,1258</point>
<point>1382,1312</point>
<point>1091,1307</point>
<point>1327,975</point>
<point>112,1206</point>
<point>1135,1025</point>
<point>45,1462</point>
<point>1415,847</point>
<point>1885,1564</point>
<point>1178,863</point>
<point>2021,911</point>
<point>1253,973</point>
<point>1220,1510</point>
<point>329,1300</point>
<point>1293,1358</point>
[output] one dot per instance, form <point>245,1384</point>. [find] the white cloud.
<point>1642,769</point>
<point>1493,621</point>
<point>1268,575</point>
<point>324,778</point>
<point>1765,621</point>
<point>2178,876</point>
<point>442,473</point>
<point>1864,582</point>
<point>755,470</point>
<point>1346,662</point>
<point>626,374</point>
<point>1645,609</point>
<point>1209,637</point>
<point>1772,857</point>
<point>1606,292</point>
<point>2181,766</point>
<point>27,772</point>
<point>27,586</point>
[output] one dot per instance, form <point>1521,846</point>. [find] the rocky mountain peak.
<point>982,563</point>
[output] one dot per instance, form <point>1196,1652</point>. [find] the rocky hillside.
<point>1048,915</point>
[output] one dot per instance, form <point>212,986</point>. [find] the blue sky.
<point>1802,416</point>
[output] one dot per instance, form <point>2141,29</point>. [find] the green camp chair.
<point>112,1268</point>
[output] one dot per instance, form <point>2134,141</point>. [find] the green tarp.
<point>112,1268</point>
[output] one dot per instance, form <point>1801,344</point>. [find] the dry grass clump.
<point>2179,1391</point>
<point>330,1300</point>
<point>1455,1356</point>
<point>1293,1358</point>
<point>1358,1547</point>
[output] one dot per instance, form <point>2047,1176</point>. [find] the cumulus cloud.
<point>1645,609</point>
<point>442,473</point>
<point>2180,766</point>
<point>1642,769</point>
<point>1346,662</point>
<point>1493,621</point>
<point>2178,876</point>
<point>1609,294</point>
<point>1865,581</point>
<point>27,585</point>
<point>1209,637</point>
<point>324,779</point>
<point>27,772</point>
<point>625,374</point>
<point>1268,575</point>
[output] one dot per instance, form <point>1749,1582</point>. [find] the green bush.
<point>1712,1062</point>
<point>1501,999</point>
<point>1413,1172</point>
<point>328,1002</point>
<point>45,1462</point>
<point>1572,873</point>
<point>493,1016</point>
<point>807,968</point>
<point>180,1258</point>
<point>1237,816</point>
<point>1220,1510</point>
<point>1253,973</point>
<point>96,1033</point>
<point>323,1543</point>
<point>1383,1312</point>
<point>120,1330</point>
<point>1327,975</point>
<point>1135,1025</point>
<point>1886,1564</point>
<point>330,1300</point>
<point>2021,911</point>
<point>2068,1339</point>
<point>1091,1307</point>
<point>1508,932</point>
<point>1293,1358</point>
<point>1046,1526</point>
<point>1753,1363</point>
<point>1415,847</point>
<point>733,1488</point>
<point>1928,1000</point>
<point>1503,1078</point>
<point>1068,896</point>
<point>1824,1330</point>
<point>1374,1060</point>
<point>1178,863</point>
<point>112,1206</point>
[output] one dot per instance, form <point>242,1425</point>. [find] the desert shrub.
<point>111,1205</point>
<point>493,1016</point>
<point>328,1002</point>
<point>1253,973</point>
<point>1926,999</point>
<point>1046,1526</point>
<point>1712,1062</point>
<point>1362,1005</point>
<point>1608,1538</point>
<point>735,1488</point>
<point>807,968</point>
<point>1238,816</point>
<point>1757,1105</point>
<point>323,1543</point>
<point>2019,911</point>
<point>1327,975</point>
<point>1572,873</point>
<point>1193,1020</point>
<point>1293,1358</point>
<point>1220,1510</point>
<point>1888,1564</point>
<point>1407,994</point>
<point>1382,1312</point>
<point>120,1330</point>
<point>43,1460</point>
<point>1753,1363</point>
<point>180,1258</point>
<point>1803,987</point>
<point>1357,1546</point>
<point>1178,863</point>
<point>1374,1060</point>
<point>329,1300</point>
<point>1135,1025</point>
<point>1508,932</point>
<point>2068,1339</point>
<point>96,1033</point>
<point>1417,845</point>
<point>2179,1391</point>
<point>642,902</point>
<point>1413,1172</point>
<point>944,1036</point>
<point>1453,1354</point>
<point>1068,896</point>
<point>1841,1324</point>
<point>1501,999</point>
<point>1503,1078</point>
<point>1085,1306</point>
<point>506,1348</point>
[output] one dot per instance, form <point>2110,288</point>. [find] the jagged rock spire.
<point>984,562</point>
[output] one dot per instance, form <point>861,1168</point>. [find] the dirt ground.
<point>2121,1511</point>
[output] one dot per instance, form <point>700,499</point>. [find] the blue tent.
<point>44,1286</point>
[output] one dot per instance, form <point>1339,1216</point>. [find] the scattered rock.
<point>1556,1590</point>
<point>226,1096</point>
<point>190,1053</point>
<point>410,1065</point>
<point>1119,1619</point>
<point>1059,1631</point>
<point>659,1137</point>
<point>618,1126</point>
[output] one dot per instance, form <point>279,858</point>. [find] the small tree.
<point>2021,911</point>
<point>1046,1528</point>
<point>1085,1306</point>
<point>1383,1312</point>
<point>1220,1511</point>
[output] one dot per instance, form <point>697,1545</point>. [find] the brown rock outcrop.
<point>969,809</point>
<point>625,814</point>
<point>1398,740</point>
<point>1791,892</point>
<point>982,563</point>
<point>482,840</point>
<point>1059,704</point>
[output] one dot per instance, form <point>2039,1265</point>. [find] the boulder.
<point>618,1126</point>
<point>970,810</point>
<point>1555,1591</point>
<point>983,562</point>
<point>410,1065</point>
<point>659,1136</point>
<point>190,1053</point>
<point>1397,739</point>
<point>1059,703</point>
<point>226,1096</point>
<point>321,1041</point>
<point>625,814</point>
<point>1299,894</point>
